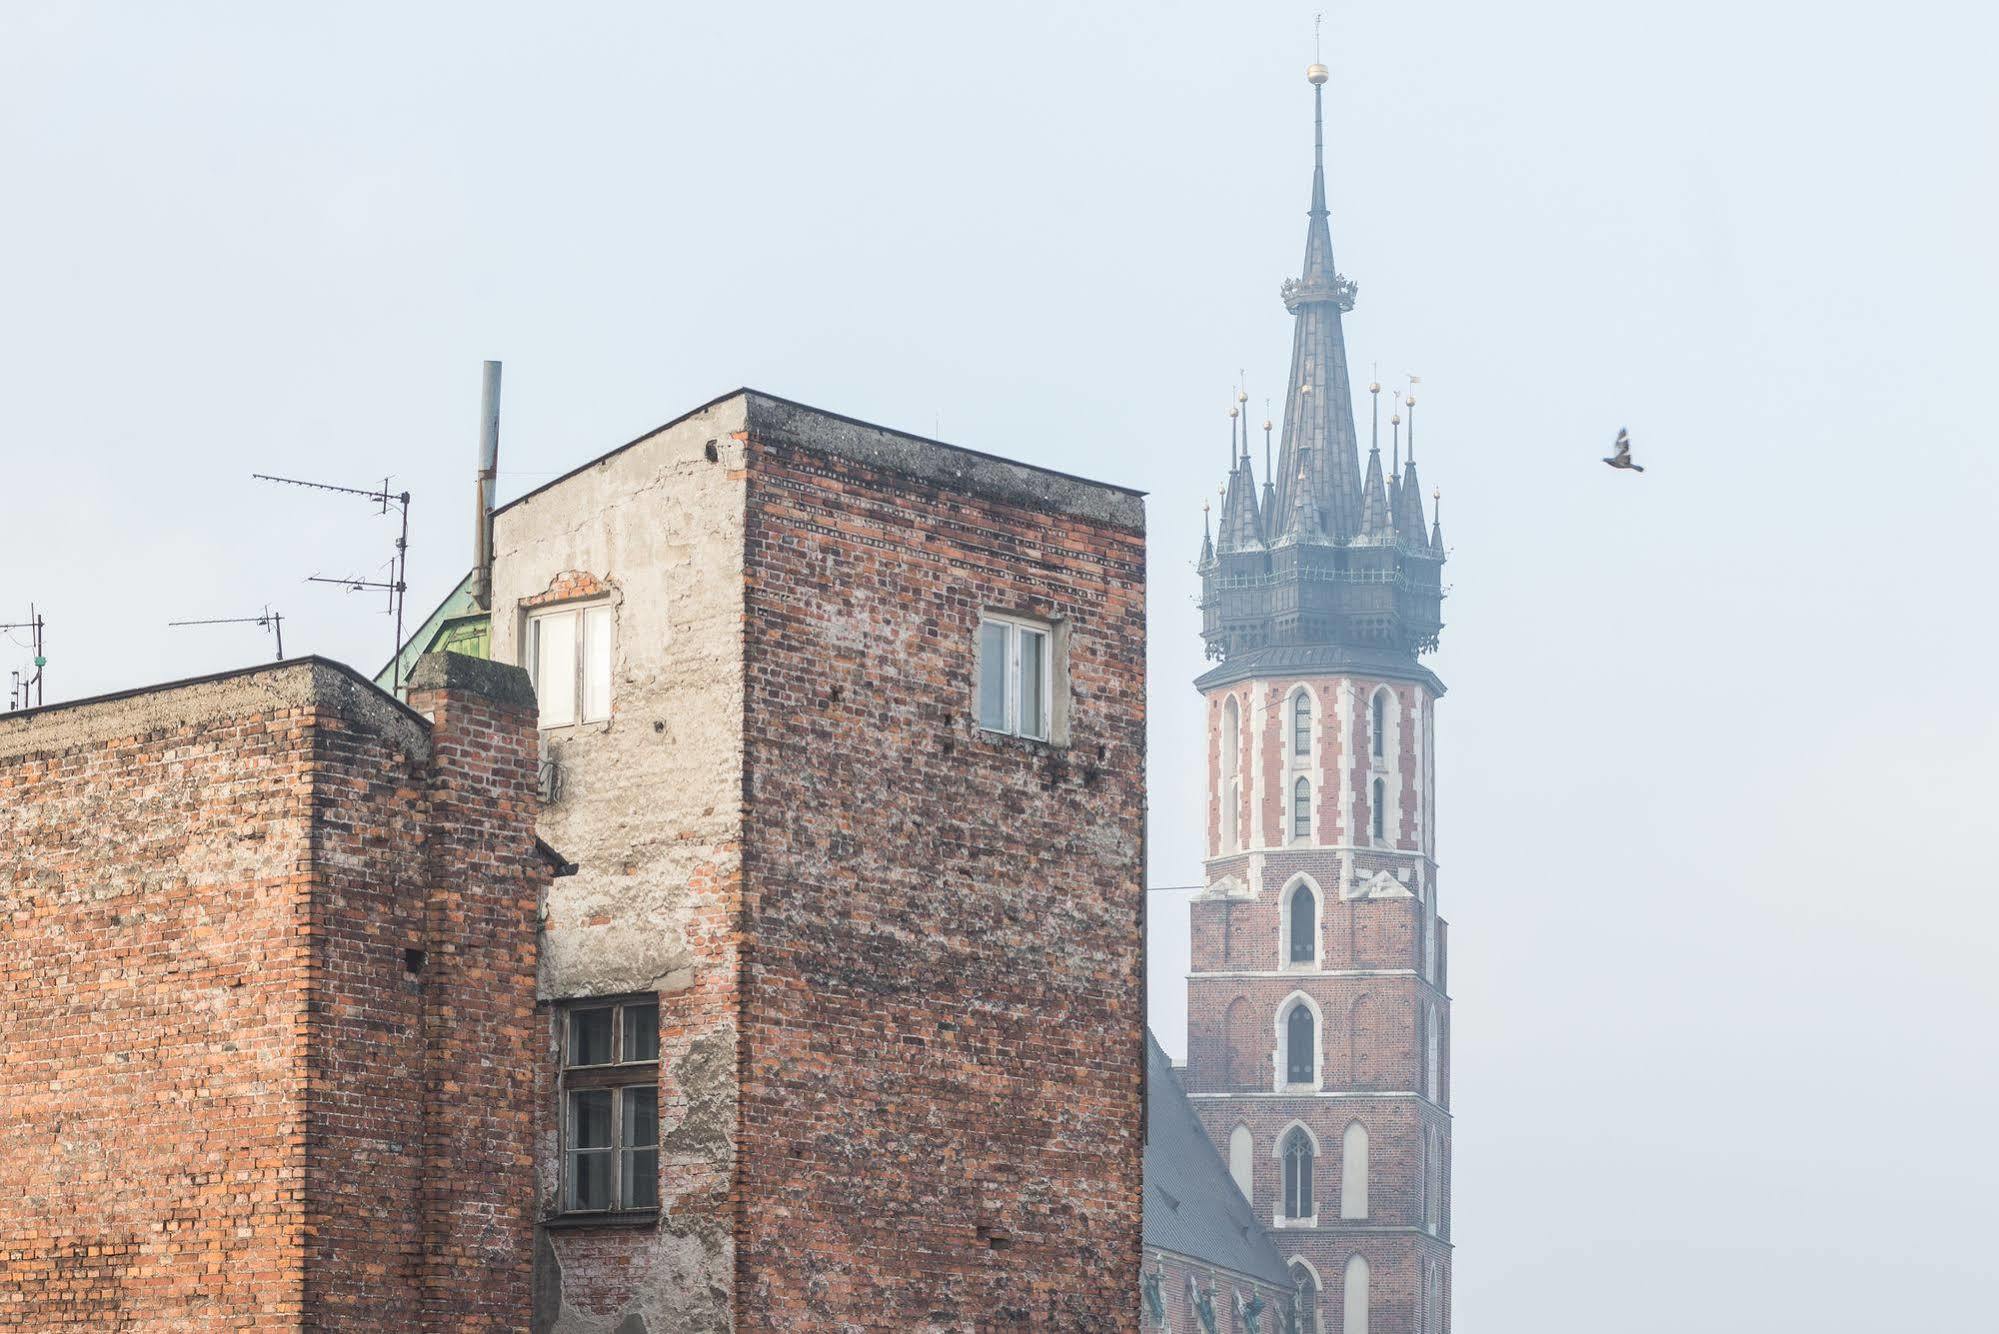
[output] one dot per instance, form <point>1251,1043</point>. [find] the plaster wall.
<point>650,810</point>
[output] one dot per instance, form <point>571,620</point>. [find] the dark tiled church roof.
<point>1192,1206</point>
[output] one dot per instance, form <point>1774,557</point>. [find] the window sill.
<point>629,1218</point>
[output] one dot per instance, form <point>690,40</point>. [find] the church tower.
<point>1318,1022</point>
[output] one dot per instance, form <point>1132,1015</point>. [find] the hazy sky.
<point>1717,760</point>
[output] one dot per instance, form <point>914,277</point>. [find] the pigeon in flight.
<point>1622,459</point>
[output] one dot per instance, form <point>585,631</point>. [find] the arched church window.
<point>1379,815</point>
<point>1304,925</point>
<point>1301,723</point>
<point>1305,1293</point>
<point>1300,1064</point>
<point>1298,1174</point>
<point>1378,725</point>
<point>1301,808</point>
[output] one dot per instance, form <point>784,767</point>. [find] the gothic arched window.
<point>1378,725</point>
<point>1301,808</point>
<point>1301,723</point>
<point>1298,1174</point>
<point>1304,925</point>
<point>1231,737</point>
<point>1300,1065</point>
<point>1379,815</point>
<point>1305,1293</point>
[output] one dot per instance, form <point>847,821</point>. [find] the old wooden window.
<point>610,1106</point>
<point>569,660</point>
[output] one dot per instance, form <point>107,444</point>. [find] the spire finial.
<point>1409,401</point>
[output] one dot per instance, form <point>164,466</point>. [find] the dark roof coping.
<point>1318,660</point>
<point>309,659</point>
<point>501,682</point>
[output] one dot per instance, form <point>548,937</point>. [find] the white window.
<point>1016,676</point>
<point>569,660</point>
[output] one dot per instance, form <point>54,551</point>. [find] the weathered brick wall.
<point>153,888</point>
<point>483,889</point>
<point>943,1026</point>
<point>220,1075</point>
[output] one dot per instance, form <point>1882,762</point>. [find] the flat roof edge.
<point>780,414</point>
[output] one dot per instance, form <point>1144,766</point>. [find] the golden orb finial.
<point>1374,388</point>
<point>1266,423</point>
<point>1317,73</point>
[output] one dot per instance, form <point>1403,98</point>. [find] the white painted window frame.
<point>531,631</point>
<point>1016,628</point>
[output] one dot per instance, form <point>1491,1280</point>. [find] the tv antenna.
<point>269,620</point>
<point>19,688</point>
<point>398,566</point>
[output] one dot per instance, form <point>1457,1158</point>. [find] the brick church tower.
<point>1318,1024</point>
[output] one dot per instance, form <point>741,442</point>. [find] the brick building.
<point>266,1003</point>
<point>835,1023</point>
<point>845,729</point>
<point>1318,1023</point>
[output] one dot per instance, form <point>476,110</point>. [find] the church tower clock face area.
<point>1318,1027</point>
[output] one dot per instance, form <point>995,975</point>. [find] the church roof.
<point>1192,1206</point>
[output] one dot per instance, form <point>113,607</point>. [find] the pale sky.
<point>1716,763</point>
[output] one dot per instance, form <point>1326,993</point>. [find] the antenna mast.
<point>396,583</point>
<point>17,695</point>
<point>269,620</point>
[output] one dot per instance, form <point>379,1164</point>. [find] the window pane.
<point>590,1180</point>
<point>1033,683</point>
<point>638,1133</point>
<point>590,1119</point>
<point>640,1186</point>
<point>992,676</point>
<point>555,668</point>
<point>590,1037</point>
<point>641,1033</point>
<point>596,663</point>
<point>640,1129</point>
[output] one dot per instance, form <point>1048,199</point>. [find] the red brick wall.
<point>213,1057</point>
<point>943,1023</point>
<point>153,968</point>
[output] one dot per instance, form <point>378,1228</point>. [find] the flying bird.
<point>1622,459</point>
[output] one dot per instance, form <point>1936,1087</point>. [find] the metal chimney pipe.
<point>489,468</point>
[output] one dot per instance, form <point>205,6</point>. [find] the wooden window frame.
<point>615,1076</point>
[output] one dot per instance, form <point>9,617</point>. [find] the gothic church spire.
<point>1318,405</point>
